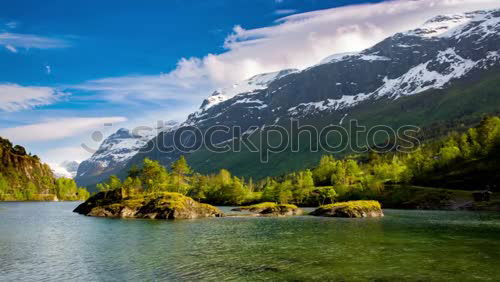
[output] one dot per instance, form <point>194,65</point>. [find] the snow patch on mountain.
<point>352,56</point>
<point>336,58</point>
<point>256,103</point>
<point>423,77</point>
<point>121,146</point>
<point>484,23</point>
<point>65,169</point>
<point>440,25</point>
<point>345,101</point>
<point>255,83</point>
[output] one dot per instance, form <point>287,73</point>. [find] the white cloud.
<point>12,24</point>
<point>58,155</point>
<point>187,83</point>
<point>14,97</point>
<point>296,41</point>
<point>285,11</point>
<point>57,129</point>
<point>11,48</point>
<point>17,40</point>
<point>48,69</point>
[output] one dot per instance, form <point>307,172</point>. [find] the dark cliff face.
<point>19,169</point>
<point>396,73</point>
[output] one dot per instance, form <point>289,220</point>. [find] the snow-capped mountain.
<point>249,86</point>
<point>443,52</point>
<point>65,169</point>
<point>115,151</point>
<point>443,49</point>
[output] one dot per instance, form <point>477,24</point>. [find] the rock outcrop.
<point>272,209</point>
<point>164,205</point>
<point>23,176</point>
<point>352,209</point>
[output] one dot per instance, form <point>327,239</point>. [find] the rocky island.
<point>272,209</point>
<point>352,209</point>
<point>161,205</point>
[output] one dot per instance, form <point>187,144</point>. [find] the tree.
<point>269,192</point>
<point>82,194</point>
<point>234,193</point>
<point>322,173</point>
<point>303,185</point>
<point>132,186</point>
<point>4,186</point>
<point>199,187</point>
<point>285,192</point>
<point>113,183</point>
<point>30,191</point>
<point>327,195</point>
<point>134,171</point>
<point>180,171</point>
<point>64,188</point>
<point>154,176</point>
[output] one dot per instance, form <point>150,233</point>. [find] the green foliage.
<point>351,208</point>
<point>266,205</point>
<point>67,190</point>
<point>362,205</point>
<point>180,172</point>
<point>24,178</point>
<point>331,180</point>
<point>4,187</point>
<point>113,183</point>
<point>154,177</point>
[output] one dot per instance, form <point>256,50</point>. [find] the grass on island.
<point>362,205</point>
<point>161,199</point>
<point>266,205</point>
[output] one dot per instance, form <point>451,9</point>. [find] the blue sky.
<point>68,67</point>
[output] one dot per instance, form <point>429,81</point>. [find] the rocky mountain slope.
<point>114,152</point>
<point>443,50</point>
<point>23,177</point>
<point>21,174</point>
<point>446,69</point>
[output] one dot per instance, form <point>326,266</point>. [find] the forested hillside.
<point>467,160</point>
<point>24,177</point>
<point>439,72</point>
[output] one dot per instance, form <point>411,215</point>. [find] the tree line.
<point>331,180</point>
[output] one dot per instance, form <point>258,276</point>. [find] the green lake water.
<point>47,242</point>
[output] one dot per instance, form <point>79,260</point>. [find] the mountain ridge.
<point>444,51</point>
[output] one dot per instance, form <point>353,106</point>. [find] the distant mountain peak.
<point>256,82</point>
<point>117,149</point>
<point>457,25</point>
<point>65,169</point>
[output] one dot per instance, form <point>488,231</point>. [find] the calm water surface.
<point>46,241</point>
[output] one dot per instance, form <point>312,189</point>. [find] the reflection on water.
<point>46,241</point>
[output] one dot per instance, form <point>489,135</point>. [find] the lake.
<point>46,241</point>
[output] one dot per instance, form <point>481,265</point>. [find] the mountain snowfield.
<point>117,149</point>
<point>445,49</point>
<point>249,86</point>
<point>433,56</point>
<point>66,169</point>
<point>434,73</point>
